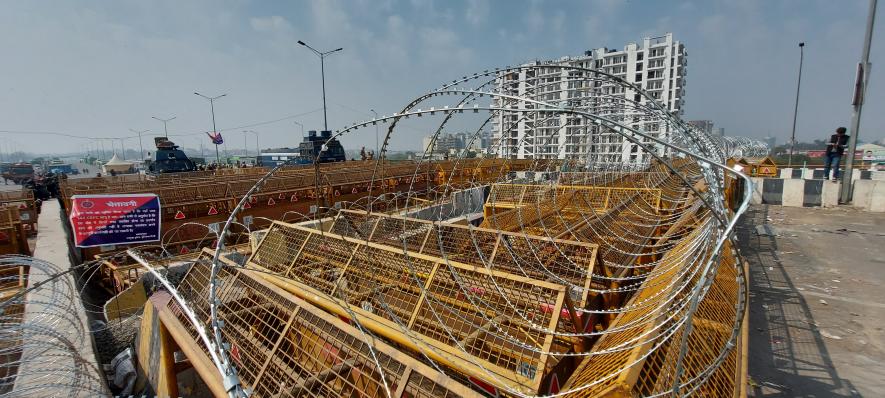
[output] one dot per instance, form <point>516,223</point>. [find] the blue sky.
<point>98,68</point>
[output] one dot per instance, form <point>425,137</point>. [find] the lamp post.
<point>165,130</point>
<point>245,149</point>
<point>377,150</point>
<point>140,147</point>
<point>796,108</point>
<point>860,88</point>
<point>257,151</point>
<point>212,109</point>
<point>302,127</point>
<point>322,56</point>
<point>123,148</point>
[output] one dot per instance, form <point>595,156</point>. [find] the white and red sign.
<point>99,220</point>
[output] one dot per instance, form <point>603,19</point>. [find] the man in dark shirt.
<point>835,149</point>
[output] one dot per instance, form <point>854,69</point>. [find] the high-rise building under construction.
<point>657,66</point>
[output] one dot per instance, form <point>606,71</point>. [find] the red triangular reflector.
<point>184,250</point>
<point>294,198</point>
<point>253,199</point>
<point>179,215</point>
<point>353,190</point>
<point>488,388</point>
<point>235,353</point>
<point>22,206</point>
<point>282,196</point>
<point>554,384</point>
<point>247,205</point>
<point>271,202</point>
<point>212,211</point>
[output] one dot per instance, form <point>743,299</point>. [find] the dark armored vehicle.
<point>169,159</point>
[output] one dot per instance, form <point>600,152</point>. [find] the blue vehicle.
<point>62,168</point>
<point>169,159</point>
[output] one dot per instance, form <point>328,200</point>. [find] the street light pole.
<point>257,152</point>
<point>377,150</point>
<point>322,56</point>
<point>165,130</point>
<point>860,88</point>
<point>140,146</point>
<point>302,127</point>
<point>796,108</point>
<point>212,109</point>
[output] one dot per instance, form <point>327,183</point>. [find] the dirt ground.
<point>817,305</point>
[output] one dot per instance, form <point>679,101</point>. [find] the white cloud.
<point>535,19</point>
<point>274,23</point>
<point>477,11</point>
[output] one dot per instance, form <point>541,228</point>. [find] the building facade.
<point>657,66</point>
<point>703,125</point>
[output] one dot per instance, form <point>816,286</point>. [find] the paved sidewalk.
<point>817,304</point>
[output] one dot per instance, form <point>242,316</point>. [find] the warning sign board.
<point>99,220</point>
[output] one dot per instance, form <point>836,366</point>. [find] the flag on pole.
<point>216,138</point>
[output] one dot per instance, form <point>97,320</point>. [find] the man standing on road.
<point>835,149</point>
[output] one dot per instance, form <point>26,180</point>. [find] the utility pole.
<point>140,147</point>
<point>322,55</point>
<point>796,109</point>
<point>257,151</point>
<point>212,109</point>
<point>165,130</point>
<point>860,88</point>
<point>377,150</point>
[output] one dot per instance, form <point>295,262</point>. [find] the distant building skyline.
<point>703,125</point>
<point>656,65</point>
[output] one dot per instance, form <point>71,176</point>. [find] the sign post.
<point>101,220</point>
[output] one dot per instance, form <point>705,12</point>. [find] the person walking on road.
<point>835,149</point>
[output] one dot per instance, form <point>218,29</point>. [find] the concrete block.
<point>773,191</point>
<point>877,199</point>
<point>813,189</point>
<point>869,195</point>
<point>756,197</point>
<point>807,174</point>
<point>829,196</point>
<point>794,193</point>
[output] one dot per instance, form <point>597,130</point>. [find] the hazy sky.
<point>98,68</point>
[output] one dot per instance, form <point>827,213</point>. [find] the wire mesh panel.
<point>614,363</point>
<point>713,324</point>
<point>285,347</point>
<point>495,322</point>
<point>278,248</point>
<point>569,263</point>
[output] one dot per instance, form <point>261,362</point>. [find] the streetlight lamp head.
<point>338,49</point>
<point>801,44</point>
<point>301,43</point>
